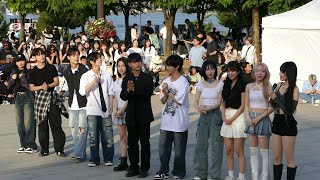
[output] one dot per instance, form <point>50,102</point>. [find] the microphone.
<point>274,86</point>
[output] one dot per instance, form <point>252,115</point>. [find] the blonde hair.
<point>312,77</point>
<point>266,80</point>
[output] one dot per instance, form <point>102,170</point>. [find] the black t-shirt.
<point>211,47</point>
<point>33,34</point>
<point>247,78</point>
<point>232,96</point>
<point>46,74</point>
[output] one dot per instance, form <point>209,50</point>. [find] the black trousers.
<point>135,134</point>
<point>59,138</point>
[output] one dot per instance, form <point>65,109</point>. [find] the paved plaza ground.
<point>14,166</point>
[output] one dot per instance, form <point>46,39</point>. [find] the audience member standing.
<point>248,51</point>
<point>212,48</point>
<point>197,54</point>
<point>137,88</point>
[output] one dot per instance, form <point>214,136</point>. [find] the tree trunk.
<point>22,31</point>
<point>169,17</point>
<point>256,32</point>
<point>127,39</point>
<point>100,9</point>
<point>200,23</point>
<point>199,18</point>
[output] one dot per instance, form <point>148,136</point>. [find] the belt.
<point>21,93</point>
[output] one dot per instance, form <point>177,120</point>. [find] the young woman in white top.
<point>207,102</point>
<point>149,52</point>
<point>107,60</point>
<point>257,112</point>
<point>119,112</point>
<point>248,51</point>
<point>230,52</point>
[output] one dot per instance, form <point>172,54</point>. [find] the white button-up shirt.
<point>93,97</point>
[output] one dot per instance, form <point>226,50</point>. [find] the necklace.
<point>210,81</point>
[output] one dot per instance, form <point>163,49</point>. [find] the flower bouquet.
<point>102,28</point>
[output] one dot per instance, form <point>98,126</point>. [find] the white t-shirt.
<point>196,54</point>
<point>175,118</point>
<point>117,91</point>
<point>209,96</point>
<point>251,53</point>
<point>163,31</point>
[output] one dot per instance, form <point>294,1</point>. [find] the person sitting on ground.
<point>310,89</point>
<point>193,77</point>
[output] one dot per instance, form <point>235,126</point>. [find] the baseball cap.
<point>20,57</point>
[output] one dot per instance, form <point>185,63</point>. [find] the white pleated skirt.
<point>236,129</point>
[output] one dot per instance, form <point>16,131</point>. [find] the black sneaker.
<point>79,160</point>
<point>143,174</point>
<point>20,150</point>
<point>61,154</point>
<point>132,173</point>
<point>161,176</point>
<point>30,150</point>
<point>42,154</point>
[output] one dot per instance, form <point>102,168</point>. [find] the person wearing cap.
<point>155,68</point>
<point>24,106</point>
<point>137,88</point>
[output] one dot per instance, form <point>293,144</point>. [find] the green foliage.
<point>23,6</point>
<point>173,3</point>
<point>279,6</point>
<point>4,26</point>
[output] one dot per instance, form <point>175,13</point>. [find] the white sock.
<point>265,162</point>
<point>254,162</point>
<point>242,176</point>
<point>231,173</point>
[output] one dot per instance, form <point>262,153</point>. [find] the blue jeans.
<point>209,127</point>
<point>77,120</point>
<point>308,97</point>
<point>25,119</point>
<point>98,126</point>
<point>180,144</point>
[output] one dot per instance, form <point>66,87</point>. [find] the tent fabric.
<point>287,43</point>
<point>304,17</point>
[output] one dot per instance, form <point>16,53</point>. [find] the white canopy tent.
<point>293,36</point>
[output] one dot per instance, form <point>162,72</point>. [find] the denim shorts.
<point>284,125</point>
<point>263,128</point>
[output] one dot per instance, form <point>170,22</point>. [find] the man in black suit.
<point>137,88</point>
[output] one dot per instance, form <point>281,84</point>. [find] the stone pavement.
<point>14,166</point>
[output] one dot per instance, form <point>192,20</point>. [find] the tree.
<point>169,9</point>
<point>200,7</point>
<point>100,9</point>
<point>3,27</point>
<point>23,7</point>
<point>272,6</point>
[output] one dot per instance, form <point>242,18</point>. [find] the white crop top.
<point>209,96</point>
<point>257,99</point>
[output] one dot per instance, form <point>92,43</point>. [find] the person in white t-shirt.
<point>174,121</point>
<point>197,54</point>
<point>163,37</point>
<point>249,51</point>
<point>77,104</point>
<point>207,102</point>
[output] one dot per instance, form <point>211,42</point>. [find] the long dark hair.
<point>125,62</point>
<point>232,65</point>
<point>290,70</point>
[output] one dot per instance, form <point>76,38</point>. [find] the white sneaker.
<point>229,178</point>
<point>241,179</point>
<point>30,150</point>
<point>197,178</point>
<point>20,150</point>
<point>108,164</point>
<point>92,164</point>
<point>176,177</point>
